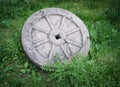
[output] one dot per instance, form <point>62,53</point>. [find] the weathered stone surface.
<point>54,31</point>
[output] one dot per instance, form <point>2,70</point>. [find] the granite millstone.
<point>54,33</point>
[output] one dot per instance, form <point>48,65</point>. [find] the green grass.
<point>100,69</point>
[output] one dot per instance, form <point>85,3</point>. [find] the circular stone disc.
<point>53,32</point>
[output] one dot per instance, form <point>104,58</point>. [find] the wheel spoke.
<point>40,29</point>
<point>62,22</point>
<point>51,52</point>
<point>64,50</point>
<point>73,43</point>
<point>49,22</point>
<point>69,48</point>
<point>72,32</point>
<point>38,43</point>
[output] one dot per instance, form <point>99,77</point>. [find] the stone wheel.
<point>51,32</point>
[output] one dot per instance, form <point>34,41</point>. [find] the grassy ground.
<point>100,69</point>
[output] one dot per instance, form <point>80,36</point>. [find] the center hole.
<point>57,36</point>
